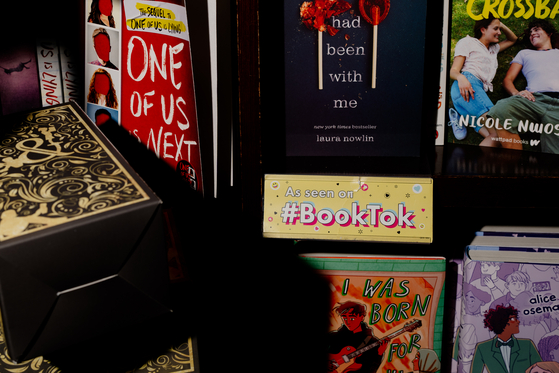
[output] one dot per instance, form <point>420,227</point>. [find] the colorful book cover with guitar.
<point>386,313</point>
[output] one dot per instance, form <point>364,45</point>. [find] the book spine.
<point>465,338</point>
<point>441,108</point>
<point>48,66</point>
<point>71,86</point>
<point>453,288</point>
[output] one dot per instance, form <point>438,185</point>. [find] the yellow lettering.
<point>542,6</point>
<point>521,9</point>
<point>530,11</point>
<point>489,7</point>
<point>504,9</point>
<point>470,12</point>
<point>502,6</point>
<point>555,10</point>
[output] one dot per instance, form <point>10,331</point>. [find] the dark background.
<point>396,104</point>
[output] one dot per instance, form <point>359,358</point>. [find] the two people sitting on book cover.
<point>354,348</point>
<point>532,110</point>
<point>474,66</point>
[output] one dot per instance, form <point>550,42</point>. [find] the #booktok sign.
<point>354,77</point>
<point>139,73</point>
<point>348,208</point>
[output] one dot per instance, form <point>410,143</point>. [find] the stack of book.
<point>507,302</point>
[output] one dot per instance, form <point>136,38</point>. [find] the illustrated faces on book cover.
<point>475,298</point>
<point>352,321</point>
<point>513,326</point>
<point>538,369</point>
<point>352,314</point>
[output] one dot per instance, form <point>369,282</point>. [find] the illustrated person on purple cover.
<point>504,353</point>
<point>474,300</point>
<point>532,324</point>
<point>355,333</point>
<point>538,102</point>
<point>102,46</point>
<point>467,341</point>
<point>473,69</point>
<point>549,348</point>
<point>101,13</point>
<point>516,283</point>
<point>490,281</point>
<point>544,367</point>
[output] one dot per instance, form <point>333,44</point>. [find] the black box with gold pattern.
<point>82,247</point>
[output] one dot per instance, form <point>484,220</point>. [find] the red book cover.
<point>139,72</point>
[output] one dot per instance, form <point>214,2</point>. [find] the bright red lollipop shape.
<point>365,9</point>
<point>374,12</point>
<point>314,16</point>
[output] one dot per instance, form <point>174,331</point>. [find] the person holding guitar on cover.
<point>356,334</point>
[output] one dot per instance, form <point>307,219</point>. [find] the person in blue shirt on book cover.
<point>473,69</point>
<point>539,101</point>
<point>504,353</point>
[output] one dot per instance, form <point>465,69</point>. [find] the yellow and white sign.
<point>393,209</point>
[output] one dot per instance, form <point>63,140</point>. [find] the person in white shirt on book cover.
<point>538,102</point>
<point>473,69</point>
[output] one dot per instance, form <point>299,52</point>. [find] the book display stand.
<point>334,114</point>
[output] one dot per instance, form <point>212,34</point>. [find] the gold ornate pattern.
<point>37,365</point>
<point>177,360</point>
<point>54,169</point>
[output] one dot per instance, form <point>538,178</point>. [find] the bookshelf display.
<point>472,187</point>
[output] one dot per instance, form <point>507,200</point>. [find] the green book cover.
<point>386,312</point>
